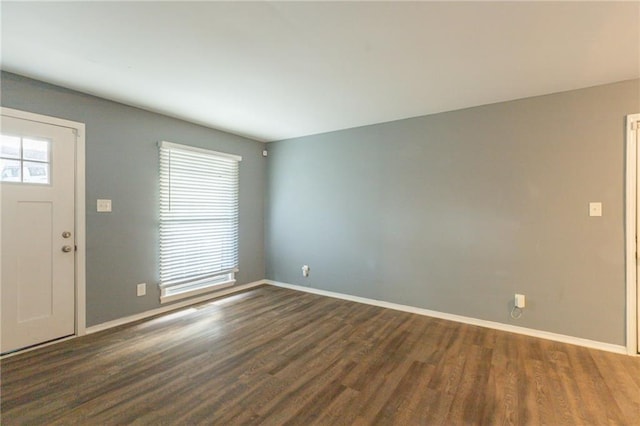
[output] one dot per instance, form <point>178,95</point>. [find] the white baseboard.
<point>619,349</point>
<point>171,307</point>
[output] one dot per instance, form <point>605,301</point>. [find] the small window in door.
<point>24,160</point>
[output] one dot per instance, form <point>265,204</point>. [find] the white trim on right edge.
<point>462,319</point>
<point>633,316</point>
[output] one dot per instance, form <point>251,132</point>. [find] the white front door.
<point>37,288</point>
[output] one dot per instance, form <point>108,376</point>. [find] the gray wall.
<point>456,212</point>
<point>122,164</point>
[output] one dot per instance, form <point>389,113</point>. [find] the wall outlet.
<point>103,206</point>
<point>305,270</point>
<point>141,289</point>
<point>519,301</point>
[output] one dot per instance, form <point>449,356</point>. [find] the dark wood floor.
<point>276,356</point>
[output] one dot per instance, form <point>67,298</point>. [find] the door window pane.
<point>35,172</point>
<point>10,146</point>
<point>10,170</point>
<point>34,149</point>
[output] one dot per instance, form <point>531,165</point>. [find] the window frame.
<point>172,290</point>
<point>27,163</point>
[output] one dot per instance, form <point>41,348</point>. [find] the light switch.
<point>595,209</point>
<point>104,205</point>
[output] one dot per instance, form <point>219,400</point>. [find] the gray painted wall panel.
<point>456,212</point>
<point>122,164</point>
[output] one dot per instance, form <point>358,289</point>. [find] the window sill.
<point>190,293</point>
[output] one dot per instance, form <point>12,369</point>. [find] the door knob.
<point>66,249</point>
<point>66,234</point>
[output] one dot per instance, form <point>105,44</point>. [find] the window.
<point>198,220</point>
<point>24,160</point>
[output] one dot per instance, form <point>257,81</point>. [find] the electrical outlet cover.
<point>103,206</point>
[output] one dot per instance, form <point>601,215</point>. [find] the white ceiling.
<point>276,70</point>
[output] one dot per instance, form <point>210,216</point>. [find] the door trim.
<point>80,218</point>
<point>630,235</point>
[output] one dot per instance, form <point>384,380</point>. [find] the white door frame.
<point>80,221</point>
<point>630,234</point>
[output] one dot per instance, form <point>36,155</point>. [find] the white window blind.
<point>198,220</point>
